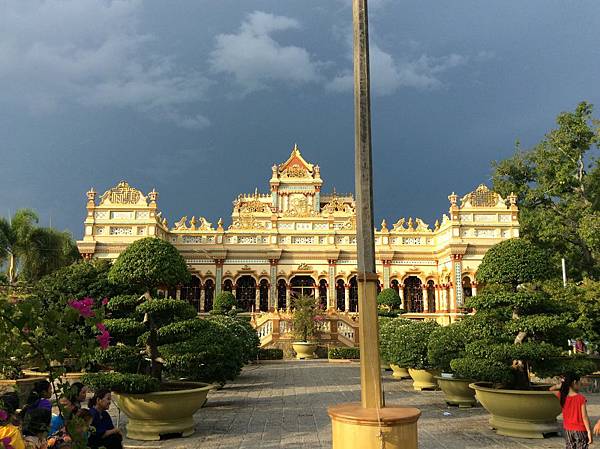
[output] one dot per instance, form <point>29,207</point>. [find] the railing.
<point>333,328</point>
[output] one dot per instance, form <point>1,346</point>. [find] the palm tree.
<point>33,251</point>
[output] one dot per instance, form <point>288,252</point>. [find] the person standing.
<point>576,423</point>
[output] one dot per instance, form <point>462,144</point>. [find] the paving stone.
<point>275,405</point>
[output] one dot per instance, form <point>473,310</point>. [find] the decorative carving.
<point>384,226</point>
<point>421,225</point>
<point>123,193</point>
<point>296,171</point>
<point>220,225</point>
<point>181,224</point>
<point>399,225</point>
<point>246,221</point>
<point>304,267</point>
<point>482,197</point>
<point>153,195</point>
<point>254,206</point>
<point>437,225</point>
<point>246,268</point>
<point>453,198</point>
<point>193,223</point>
<point>205,225</point>
<point>350,224</point>
<point>337,205</point>
<point>300,207</point>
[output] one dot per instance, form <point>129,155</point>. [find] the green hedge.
<point>344,353</point>
<point>123,306</point>
<point>165,311</point>
<point>270,354</point>
<point>119,358</point>
<point>125,330</point>
<point>121,382</point>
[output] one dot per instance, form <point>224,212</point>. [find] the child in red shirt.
<point>576,423</point>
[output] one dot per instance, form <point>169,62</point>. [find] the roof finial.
<point>296,149</point>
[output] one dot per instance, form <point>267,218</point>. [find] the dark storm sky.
<point>199,98</point>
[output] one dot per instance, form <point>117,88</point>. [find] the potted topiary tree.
<point>304,321</point>
<point>527,331</point>
<point>387,329</point>
<point>144,328</point>
<point>405,343</point>
<point>389,303</point>
<point>445,344</point>
<point>224,303</point>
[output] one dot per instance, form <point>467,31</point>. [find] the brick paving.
<point>284,405</point>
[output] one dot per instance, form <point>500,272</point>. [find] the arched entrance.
<point>281,294</point>
<point>340,295</point>
<point>228,285</point>
<point>302,286</point>
<point>245,290</point>
<point>413,294</point>
<point>431,296</point>
<point>395,285</point>
<point>264,295</point>
<point>209,294</point>
<point>353,295</point>
<point>323,293</point>
<point>191,292</point>
<point>467,287</point>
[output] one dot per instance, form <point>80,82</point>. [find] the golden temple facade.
<point>297,240</point>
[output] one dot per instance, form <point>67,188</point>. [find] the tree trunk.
<point>152,351</point>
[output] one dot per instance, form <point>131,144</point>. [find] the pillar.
<point>331,299</point>
<point>401,293</point>
<point>457,276</point>
<point>288,296</point>
<point>273,284</point>
<point>178,293</point>
<point>437,298</point>
<point>347,297</point>
<point>218,276</point>
<point>202,298</point>
<point>452,297</point>
<point>387,264</point>
<point>257,299</point>
<point>425,298</point>
<point>474,288</point>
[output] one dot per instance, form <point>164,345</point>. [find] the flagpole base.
<point>355,427</point>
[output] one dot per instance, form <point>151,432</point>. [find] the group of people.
<point>35,427</point>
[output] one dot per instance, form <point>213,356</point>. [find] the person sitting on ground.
<point>76,430</point>
<point>105,434</point>
<point>39,397</point>
<point>10,435</point>
<point>35,428</point>
<point>66,409</point>
<point>78,394</point>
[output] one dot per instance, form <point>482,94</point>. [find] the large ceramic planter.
<point>151,415</point>
<point>424,379</point>
<point>304,349</point>
<point>399,373</point>
<point>457,391</point>
<point>22,386</point>
<point>519,413</point>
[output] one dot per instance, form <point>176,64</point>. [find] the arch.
<point>245,292</point>
<point>264,288</point>
<point>302,286</point>
<point>467,287</point>
<point>281,294</point>
<point>209,294</point>
<point>413,294</point>
<point>431,296</point>
<point>395,285</point>
<point>243,275</point>
<point>340,294</point>
<point>323,287</point>
<point>191,292</point>
<point>227,285</point>
<point>353,293</point>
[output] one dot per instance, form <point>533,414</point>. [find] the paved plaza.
<point>284,405</point>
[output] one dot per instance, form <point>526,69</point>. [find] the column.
<point>317,294</point>
<point>202,298</point>
<point>401,293</point>
<point>438,306</point>
<point>474,288</point>
<point>425,298</point>
<point>288,296</point>
<point>331,299</point>
<point>178,292</point>
<point>386,272</point>
<point>457,276</point>
<point>347,297</point>
<point>218,276</point>
<point>452,302</point>
<point>273,284</point>
<point>257,299</point>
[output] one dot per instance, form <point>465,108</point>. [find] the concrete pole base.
<point>355,427</point>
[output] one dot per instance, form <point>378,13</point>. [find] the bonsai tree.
<point>224,303</point>
<point>389,303</point>
<point>147,264</point>
<point>305,317</point>
<point>447,343</point>
<point>404,342</point>
<point>523,329</point>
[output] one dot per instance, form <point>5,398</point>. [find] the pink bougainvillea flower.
<point>25,330</point>
<point>101,327</point>
<point>105,301</point>
<point>6,442</point>
<point>3,415</point>
<point>103,339</point>
<point>83,306</point>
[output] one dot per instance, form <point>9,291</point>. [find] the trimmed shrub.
<point>343,353</point>
<point>406,341</point>
<point>121,382</point>
<point>388,297</point>
<point>223,303</point>
<point>270,354</point>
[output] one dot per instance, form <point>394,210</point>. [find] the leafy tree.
<point>388,297</point>
<point>404,342</point>
<point>147,264</point>
<point>223,304</point>
<point>31,250</point>
<point>558,187</point>
<point>521,328</point>
<point>304,318</point>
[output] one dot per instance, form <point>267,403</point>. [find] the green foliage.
<point>120,358</point>
<point>582,302</point>
<point>164,311</point>
<point>404,342</point>
<point>447,343</point>
<point>126,330</point>
<point>270,354</point>
<point>306,312</point>
<point>344,353</point>
<point>243,331</point>
<point>388,297</point>
<point>123,306</point>
<point>122,383</point>
<point>514,262</point>
<point>557,183</point>
<point>223,303</point>
<point>79,280</point>
<point>149,263</point>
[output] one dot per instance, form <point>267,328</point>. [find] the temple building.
<point>298,240</point>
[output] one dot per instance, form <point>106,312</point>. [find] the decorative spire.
<point>384,226</point>
<point>91,196</point>
<point>453,198</point>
